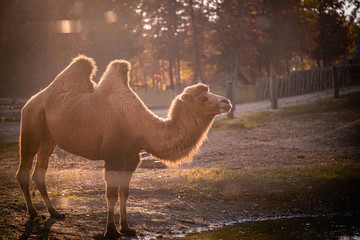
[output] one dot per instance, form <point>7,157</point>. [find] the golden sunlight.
<point>110,16</point>
<point>67,26</point>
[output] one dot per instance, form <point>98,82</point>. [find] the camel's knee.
<point>117,182</point>
<point>124,193</point>
<point>42,161</point>
<point>112,179</point>
<point>111,194</point>
<point>23,176</point>
<point>39,176</point>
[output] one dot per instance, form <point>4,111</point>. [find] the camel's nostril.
<point>225,101</point>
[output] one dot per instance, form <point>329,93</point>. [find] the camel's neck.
<point>178,137</point>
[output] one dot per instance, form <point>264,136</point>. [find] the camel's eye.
<point>203,98</point>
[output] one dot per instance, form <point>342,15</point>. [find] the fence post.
<point>273,92</point>
<point>336,83</point>
<point>229,95</point>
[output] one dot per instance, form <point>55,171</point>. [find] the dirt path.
<point>246,172</point>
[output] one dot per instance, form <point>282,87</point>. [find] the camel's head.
<point>202,102</point>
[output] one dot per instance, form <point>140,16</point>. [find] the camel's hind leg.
<point>29,145</point>
<point>23,176</point>
<point>42,159</point>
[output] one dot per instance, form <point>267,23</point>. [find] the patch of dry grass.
<point>14,146</point>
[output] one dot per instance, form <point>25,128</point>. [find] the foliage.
<point>175,42</point>
<point>330,34</point>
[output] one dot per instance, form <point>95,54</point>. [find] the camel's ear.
<point>185,97</point>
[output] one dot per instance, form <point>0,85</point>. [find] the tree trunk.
<point>198,73</point>
<point>162,75</point>
<point>171,77</point>
<point>235,78</point>
<point>177,70</point>
<point>145,79</point>
<point>235,72</point>
<point>287,65</point>
<point>173,43</point>
<point>318,62</point>
<point>326,60</point>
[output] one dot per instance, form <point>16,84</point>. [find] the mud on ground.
<point>302,160</point>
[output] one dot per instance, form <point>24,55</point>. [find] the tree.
<point>39,38</point>
<point>163,29</point>
<point>198,76</point>
<point>327,30</point>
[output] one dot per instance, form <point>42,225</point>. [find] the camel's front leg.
<point>117,181</point>
<point>124,195</point>
<point>112,185</point>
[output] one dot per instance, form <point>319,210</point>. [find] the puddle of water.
<point>324,227</point>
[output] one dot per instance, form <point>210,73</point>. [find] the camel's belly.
<point>77,135</point>
<point>79,144</point>
<point>89,130</point>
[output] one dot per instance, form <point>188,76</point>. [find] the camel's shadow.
<point>38,228</point>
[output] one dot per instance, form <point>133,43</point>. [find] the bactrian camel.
<point>108,121</point>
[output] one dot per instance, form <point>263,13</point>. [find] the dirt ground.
<point>176,200</point>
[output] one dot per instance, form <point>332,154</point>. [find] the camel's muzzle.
<point>225,105</point>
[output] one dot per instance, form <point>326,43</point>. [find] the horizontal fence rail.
<point>303,82</point>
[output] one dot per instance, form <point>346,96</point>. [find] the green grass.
<point>14,146</point>
<point>272,175</point>
<point>81,194</point>
<point>300,186</point>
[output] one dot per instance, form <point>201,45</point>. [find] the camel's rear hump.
<point>116,74</point>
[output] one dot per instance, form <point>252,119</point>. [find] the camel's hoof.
<point>112,233</point>
<point>57,215</point>
<point>33,215</point>
<point>37,218</point>
<point>128,231</point>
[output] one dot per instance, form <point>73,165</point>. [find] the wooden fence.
<point>303,82</point>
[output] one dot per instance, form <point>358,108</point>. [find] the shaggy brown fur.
<point>108,122</point>
<point>188,131</point>
<point>83,67</point>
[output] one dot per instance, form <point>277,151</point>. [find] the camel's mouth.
<point>224,107</point>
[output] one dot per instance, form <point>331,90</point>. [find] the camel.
<point>108,121</point>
